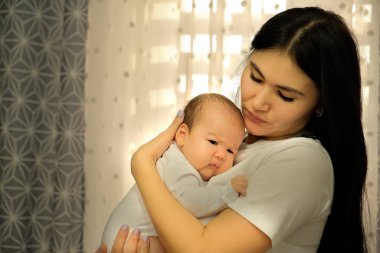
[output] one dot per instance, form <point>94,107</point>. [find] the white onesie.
<point>186,185</point>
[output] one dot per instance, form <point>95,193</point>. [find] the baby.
<point>205,145</point>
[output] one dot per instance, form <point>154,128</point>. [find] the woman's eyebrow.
<point>282,87</point>
<point>289,89</point>
<point>253,65</point>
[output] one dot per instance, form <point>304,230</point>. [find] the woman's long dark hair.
<point>320,43</point>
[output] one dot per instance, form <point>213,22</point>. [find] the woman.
<point>305,154</point>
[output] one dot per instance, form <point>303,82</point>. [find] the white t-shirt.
<point>186,185</point>
<point>290,191</point>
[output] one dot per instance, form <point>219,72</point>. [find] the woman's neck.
<point>249,139</point>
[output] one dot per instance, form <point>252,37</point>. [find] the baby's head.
<point>211,133</point>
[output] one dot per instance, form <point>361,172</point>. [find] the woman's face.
<point>278,99</point>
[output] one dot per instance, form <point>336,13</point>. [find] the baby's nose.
<point>221,154</point>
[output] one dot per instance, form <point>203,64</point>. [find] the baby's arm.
<point>208,200</point>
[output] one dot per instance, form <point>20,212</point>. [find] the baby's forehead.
<point>230,132</point>
<point>219,106</point>
<point>229,115</point>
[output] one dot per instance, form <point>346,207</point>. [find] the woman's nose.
<point>261,101</point>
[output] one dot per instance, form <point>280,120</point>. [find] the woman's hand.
<point>134,244</point>
<point>151,151</point>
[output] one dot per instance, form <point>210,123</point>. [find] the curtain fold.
<point>42,50</point>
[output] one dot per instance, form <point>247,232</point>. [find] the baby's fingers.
<point>243,191</point>
<point>240,184</point>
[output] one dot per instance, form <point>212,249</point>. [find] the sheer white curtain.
<point>145,59</point>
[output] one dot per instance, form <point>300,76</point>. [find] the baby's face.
<point>214,140</point>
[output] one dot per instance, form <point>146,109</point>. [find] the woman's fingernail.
<point>144,238</point>
<point>180,113</point>
<point>136,231</point>
<point>125,227</point>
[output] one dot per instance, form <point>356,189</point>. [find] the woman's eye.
<point>253,78</point>
<point>213,142</point>
<point>285,98</point>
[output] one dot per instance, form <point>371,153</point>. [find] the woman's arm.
<point>178,229</point>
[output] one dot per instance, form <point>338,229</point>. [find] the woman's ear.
<point>319,112</point>
<point>181,133</point>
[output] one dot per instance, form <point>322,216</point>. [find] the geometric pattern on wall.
<point>42,62</point>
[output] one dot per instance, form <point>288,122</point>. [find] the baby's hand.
<point>240,184</point>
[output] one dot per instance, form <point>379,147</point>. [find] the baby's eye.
<point>213,142</point>
<point>230,151</point>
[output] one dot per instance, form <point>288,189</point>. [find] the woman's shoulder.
<point>292,142</point>
<point>302,147</point>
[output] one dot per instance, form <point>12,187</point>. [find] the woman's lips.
<point>255,119</point>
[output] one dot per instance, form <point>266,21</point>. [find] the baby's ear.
<point>181,133</point>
